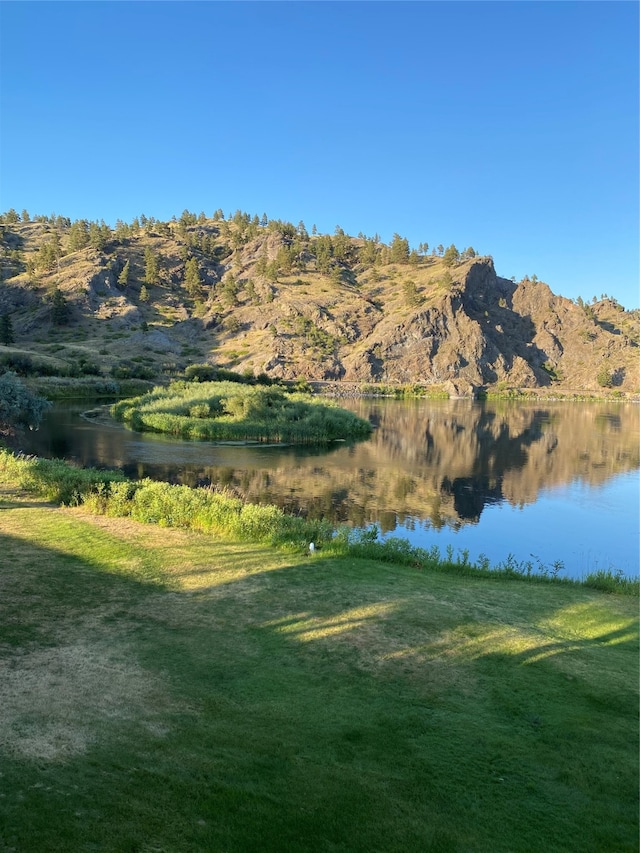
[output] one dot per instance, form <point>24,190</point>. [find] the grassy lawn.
<point>164,691</point>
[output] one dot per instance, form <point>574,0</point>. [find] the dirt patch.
<point>57,701</point>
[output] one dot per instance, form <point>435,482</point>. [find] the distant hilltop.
<point>148,298</point>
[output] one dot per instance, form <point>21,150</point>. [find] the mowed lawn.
<point>163,691</point>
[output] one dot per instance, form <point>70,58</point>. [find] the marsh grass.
<point>229,411</point>
<point>162,690</point>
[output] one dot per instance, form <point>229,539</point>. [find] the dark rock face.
<point>487,331</point>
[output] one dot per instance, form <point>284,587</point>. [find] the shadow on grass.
<point>319,705</point>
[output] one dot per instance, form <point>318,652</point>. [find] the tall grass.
<point>220,514</point>
<point>228,411</point>
<point>52,479</point>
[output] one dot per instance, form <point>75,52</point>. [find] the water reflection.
<point>558,481</point>
<point>428,465</point>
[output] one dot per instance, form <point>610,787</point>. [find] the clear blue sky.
<point>508,126</point>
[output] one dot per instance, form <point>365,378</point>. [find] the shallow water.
<point>543,482</point>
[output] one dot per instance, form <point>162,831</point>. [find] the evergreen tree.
<point>49,253</point>
<point>6,330</point>
<point>412,294</point>
<point>192,280</point>
<point>399,250</point>
<point>123,231</point>
<point>341,244</point>
<point>323,248</point>
<point>99,235</point>
<point>284,259</point>
<point>151,266</point>
<point>144,294</point>
<point>78,235</point>
<point>451,256</point>
<point>250,289</point>
<point>123,278</point>
<point>368,251</point>
<point>59,309</point>
<point>230,289</point>
<point>271,271</point>
<point>336,274</point>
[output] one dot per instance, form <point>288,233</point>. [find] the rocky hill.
<point>149,298</point>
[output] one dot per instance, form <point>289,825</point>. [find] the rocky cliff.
<point>270,298</point>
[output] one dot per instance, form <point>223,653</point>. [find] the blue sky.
<point>508,126</point>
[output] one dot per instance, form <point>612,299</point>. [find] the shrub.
<point>604,378</point>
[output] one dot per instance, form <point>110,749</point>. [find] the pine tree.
<point>123,278</point>
<point>98,235</point>
<point>6,330</point>
<point>192,280</point>
<point>399,250</point>
<point>59,309</point>
<point>151,268</point>
<point>451,256</point>
<point>78,235</point>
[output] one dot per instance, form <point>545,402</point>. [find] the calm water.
<point>542,482</point>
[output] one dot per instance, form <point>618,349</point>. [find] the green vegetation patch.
<point>228,411</point>
<point>162,690</point>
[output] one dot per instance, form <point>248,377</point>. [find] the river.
<point>544,482</point>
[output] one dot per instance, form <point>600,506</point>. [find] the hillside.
<point>149,298</point>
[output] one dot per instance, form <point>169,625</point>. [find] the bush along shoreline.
<point>219,514</point>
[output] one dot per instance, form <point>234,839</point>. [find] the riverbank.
<point>71,388</point>
<point>416,390</point>
<point>217,512</point>
<point>165,690</point>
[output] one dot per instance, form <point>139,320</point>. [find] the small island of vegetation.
<point>228,411</point>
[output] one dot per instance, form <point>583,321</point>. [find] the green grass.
<point>164,690</point>
<point>228,411</point>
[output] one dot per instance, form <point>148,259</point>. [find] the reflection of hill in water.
<point>438,462</point>
<point>443,462</point>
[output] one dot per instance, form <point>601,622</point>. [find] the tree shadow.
<point>308,707</point>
